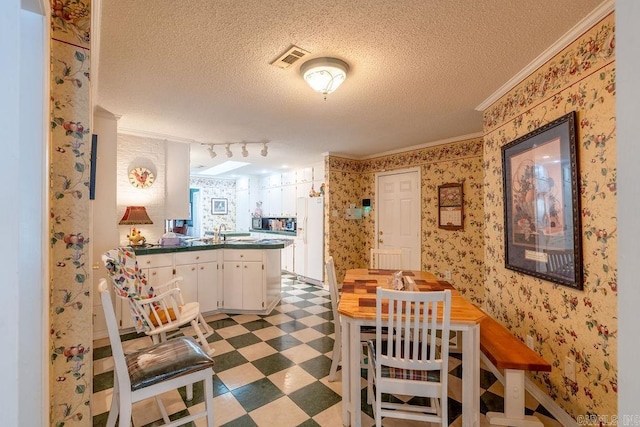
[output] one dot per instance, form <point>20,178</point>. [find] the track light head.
<point>245,153</point>
<point>212,153</point>
<point>228,150</point>
<point>263,152</point>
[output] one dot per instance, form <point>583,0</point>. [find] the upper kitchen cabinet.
<point>177,180</point>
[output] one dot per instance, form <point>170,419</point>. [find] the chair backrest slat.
<point>414,325</point>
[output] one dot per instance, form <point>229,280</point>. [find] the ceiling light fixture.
<point>244,151</point>
<point>324,75</point>
<point>212,153</point>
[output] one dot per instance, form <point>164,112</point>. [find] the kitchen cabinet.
<point>289,201</point>
<point>288,255</point>
<point>243,280</point>
<point>199,270</point>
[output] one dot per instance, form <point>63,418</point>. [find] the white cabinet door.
<point>302,190</point>
<point>252,286</point>
<point>289,200</point>
<point>232,288</point>
<point>208,286</point>
<point>275,202</point>
<point>189,284</point>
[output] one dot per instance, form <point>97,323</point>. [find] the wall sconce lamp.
<point>135,215</point>
<point>324,75</point>
<point>244,151</point>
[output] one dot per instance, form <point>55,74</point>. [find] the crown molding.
<point>569,37</point>
<point>155,135</point>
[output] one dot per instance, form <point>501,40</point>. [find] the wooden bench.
<point>508,353</point>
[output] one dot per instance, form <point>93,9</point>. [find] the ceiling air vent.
<point>290,57</point>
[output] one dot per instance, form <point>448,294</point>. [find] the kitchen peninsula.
<point>232,276</point>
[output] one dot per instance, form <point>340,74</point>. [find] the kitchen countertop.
<point>203,246</point>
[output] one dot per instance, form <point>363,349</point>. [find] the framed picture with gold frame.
<point>451,206</point>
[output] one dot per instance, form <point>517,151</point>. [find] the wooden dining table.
<point>357,308</point>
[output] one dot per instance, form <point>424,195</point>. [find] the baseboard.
<point>543,398</point>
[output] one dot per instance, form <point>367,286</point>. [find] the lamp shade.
<point>324,75</point>
<point>135,215</point>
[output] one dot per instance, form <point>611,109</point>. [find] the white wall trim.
<point>569,37</point>
<point>542,397</point>
<point>405,149</point>
<point>155,135</point>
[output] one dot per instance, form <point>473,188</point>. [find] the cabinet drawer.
<point>152,261</point>
<point>243,254</point>
<point>195,257</point>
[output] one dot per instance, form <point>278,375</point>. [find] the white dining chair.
<point>152,371</point>
<point>366,332</point>
<point>388,259</point>
<point>410,361</point>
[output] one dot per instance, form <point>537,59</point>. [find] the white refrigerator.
<point>308,260</point>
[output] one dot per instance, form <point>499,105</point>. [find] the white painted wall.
<point>105,234</point>
<point>134,151</point>
<point>23,172</point>
<point>628,146</point>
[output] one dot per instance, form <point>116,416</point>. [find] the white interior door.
<point>398,214</point>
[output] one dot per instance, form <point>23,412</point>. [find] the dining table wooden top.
<point>358,298</point>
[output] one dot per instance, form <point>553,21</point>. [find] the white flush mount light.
<point>324,75</point>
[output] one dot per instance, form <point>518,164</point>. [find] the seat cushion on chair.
<point>169,359</point>
<point>399,373</point>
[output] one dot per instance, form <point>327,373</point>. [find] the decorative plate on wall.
<point>141,177</point>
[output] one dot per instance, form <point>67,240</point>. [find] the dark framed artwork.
<point>219,206</point>
<point>542,203</point>
<point>451,206</point>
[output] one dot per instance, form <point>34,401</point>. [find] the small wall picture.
<point>219,206</point>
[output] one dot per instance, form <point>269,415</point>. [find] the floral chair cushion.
<point>128,281</point>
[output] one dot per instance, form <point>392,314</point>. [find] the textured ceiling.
<point>200,70</point>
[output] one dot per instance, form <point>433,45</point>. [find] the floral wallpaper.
<point>459,251</point>
<point>216,188</point>
<point>70,215</point>
<point>565,322</point>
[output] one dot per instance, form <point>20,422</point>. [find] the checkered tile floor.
<point>272,370</point>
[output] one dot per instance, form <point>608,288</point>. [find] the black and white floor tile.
<point>272,370</point>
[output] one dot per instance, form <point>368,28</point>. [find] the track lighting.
<point>211,152</point>
<point>227,148</point>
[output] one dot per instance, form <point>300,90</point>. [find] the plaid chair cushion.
<point>404,374</point>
